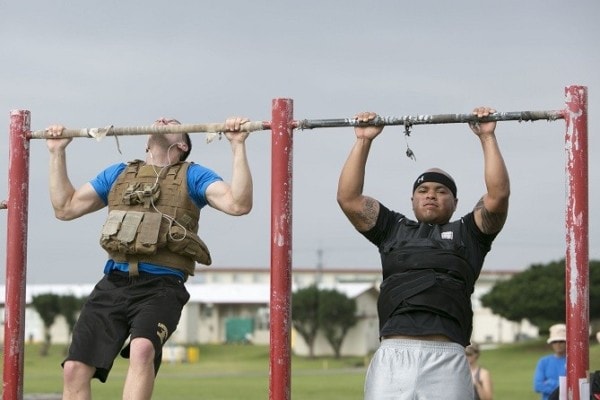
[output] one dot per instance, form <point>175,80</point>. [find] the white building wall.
<point>491,328</point>
<point>205,322</point>
<point>34,328</point>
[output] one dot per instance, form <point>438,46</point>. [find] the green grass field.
<point>242,372</point>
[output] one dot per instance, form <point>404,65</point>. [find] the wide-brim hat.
<point>558,333</point>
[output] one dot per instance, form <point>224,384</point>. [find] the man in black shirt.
<point>429,269</point>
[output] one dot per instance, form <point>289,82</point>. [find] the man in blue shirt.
<point>151,238</point>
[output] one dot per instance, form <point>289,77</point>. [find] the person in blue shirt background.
<point>549,368</point>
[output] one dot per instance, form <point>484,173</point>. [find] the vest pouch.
<point>146,241</point>
<point>188,244</point>
<point>110,229</point>
<point>131,232</point>
<point>128,231</point>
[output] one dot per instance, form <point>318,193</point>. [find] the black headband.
<point>435,177</point>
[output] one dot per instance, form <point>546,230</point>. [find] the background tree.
<point>305,315</point>
<point>70,306</point>
<point>337,314</point>
<point>538,294</point>
<point>47,307</point>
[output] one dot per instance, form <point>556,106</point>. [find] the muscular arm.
<point>492,208</point>
<point>360,210</point>
<point>69,203</point>
<point>234,198</point>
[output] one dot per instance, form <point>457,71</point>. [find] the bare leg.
<point>77,378</point>
<point>139,382</point>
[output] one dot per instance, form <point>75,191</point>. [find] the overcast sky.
<point>125,63</point>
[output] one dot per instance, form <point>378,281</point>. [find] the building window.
<point>206,310</point>
<point>262,319</point>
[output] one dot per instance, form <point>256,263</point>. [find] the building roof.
<point>257,293</point>
<point>215,293</point>
<point>78,290</point>
<point>329,270</point>
<point>351,290</point>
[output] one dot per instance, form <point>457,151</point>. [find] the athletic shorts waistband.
<point>422,344</point>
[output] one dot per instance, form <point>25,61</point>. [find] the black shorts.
<point>147,306</point>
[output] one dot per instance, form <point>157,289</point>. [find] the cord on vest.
<point>163,215</point>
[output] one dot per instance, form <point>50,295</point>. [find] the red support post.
<point>16,255</point>
<point>281,249</point>
<point>577,251</point>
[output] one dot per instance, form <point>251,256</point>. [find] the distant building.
<point>232,305</point>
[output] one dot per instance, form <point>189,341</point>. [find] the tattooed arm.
<point>492,208</point>
<point>361,210</point>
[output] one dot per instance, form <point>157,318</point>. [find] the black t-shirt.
<point>387,233</point>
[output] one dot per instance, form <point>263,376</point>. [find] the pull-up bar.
<point>282,126</point>
<point>409,120</point>
<point>252,126</point>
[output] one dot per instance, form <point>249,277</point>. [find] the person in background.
<point>429,267</point>
<point>150,235</point>
<point>482,379</point>
<point>551,367</point>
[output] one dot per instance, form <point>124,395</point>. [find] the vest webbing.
<point>144,189</point>
<point>424,272</point>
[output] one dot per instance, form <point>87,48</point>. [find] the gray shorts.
<point>406,369</point>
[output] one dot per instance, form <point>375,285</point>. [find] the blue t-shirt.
<point>548,370</point>
<point>198,179</point>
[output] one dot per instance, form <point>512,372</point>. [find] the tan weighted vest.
<point>151,218</point>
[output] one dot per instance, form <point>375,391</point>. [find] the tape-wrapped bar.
<point>99,133</point>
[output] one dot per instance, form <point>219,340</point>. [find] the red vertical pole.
<point>577,262</point>
<point>281,248</point>
<point>16,255</point>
